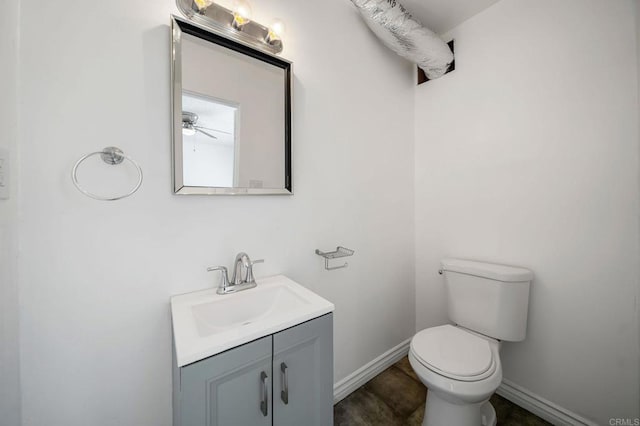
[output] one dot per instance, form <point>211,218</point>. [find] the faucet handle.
<point>224,276</point>
<point>249,278</point>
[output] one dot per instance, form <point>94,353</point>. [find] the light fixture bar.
<point>221,20</point>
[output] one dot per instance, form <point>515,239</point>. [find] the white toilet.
<point>460,364</point>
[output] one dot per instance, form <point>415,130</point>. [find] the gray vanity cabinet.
<point>229,388</point>
<point>284,379</point>
<point>303,374</point>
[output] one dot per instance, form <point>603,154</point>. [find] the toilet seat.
<point>454,353</point>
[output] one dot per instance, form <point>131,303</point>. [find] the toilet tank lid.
<point>491,271</point>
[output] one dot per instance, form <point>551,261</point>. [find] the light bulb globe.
<point>188,129</point>
<point>242,12</point>
<point>203,4</point>
<point>277,27</point>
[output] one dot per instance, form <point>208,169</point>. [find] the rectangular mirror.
<point>231,116</point>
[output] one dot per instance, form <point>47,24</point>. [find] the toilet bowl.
<point>460,364</point>
<point>461,370</point>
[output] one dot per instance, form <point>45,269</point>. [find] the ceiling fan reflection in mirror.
<point>190,126</point>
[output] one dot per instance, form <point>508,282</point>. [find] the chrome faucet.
<point>241,260</point>
<point>239,281</point>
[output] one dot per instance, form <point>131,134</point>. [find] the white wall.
<point>528,154</point>
<point>9,362</point>
<point>96,277</point>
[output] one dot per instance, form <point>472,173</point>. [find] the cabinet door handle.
<point>264,404</point>
<point>284,395</point>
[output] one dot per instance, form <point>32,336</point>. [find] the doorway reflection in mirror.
<point>211,141</point>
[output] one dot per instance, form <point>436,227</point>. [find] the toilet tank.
<point>488,298</point>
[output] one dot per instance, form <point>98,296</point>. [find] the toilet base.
<point>440,412</point>
<point>488,414</point>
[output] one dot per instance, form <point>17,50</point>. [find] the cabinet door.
<point>303,374</point>
<point>229,389</point>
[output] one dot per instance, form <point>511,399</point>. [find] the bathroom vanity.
<point>259,357</point>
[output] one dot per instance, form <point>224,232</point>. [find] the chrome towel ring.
<point>113,156</point>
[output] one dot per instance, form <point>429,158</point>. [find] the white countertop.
<point>206,323</point>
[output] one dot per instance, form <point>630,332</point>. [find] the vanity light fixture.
<point>235,23</point>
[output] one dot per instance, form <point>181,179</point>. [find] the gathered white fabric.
<point>394,25</point>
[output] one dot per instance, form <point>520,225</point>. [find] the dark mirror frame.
<point>180,26</point>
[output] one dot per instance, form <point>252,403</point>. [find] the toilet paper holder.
<point>337,253</point>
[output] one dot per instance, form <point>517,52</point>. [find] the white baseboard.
<point>520,396</point>
<point>539,406</point>
<point>353,381</point>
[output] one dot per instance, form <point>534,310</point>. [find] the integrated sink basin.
<point>245,308</point>
<point>206,323</point>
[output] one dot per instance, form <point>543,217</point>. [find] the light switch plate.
<point>4,174</point>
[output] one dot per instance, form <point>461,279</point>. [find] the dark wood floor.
<point>396,397</point>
